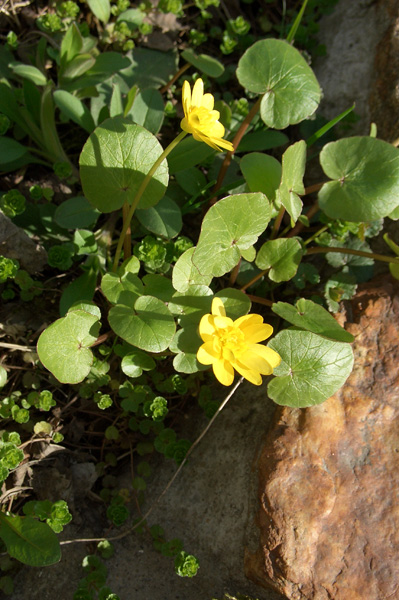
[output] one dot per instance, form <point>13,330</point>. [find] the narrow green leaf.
<point>29,72</point>
<point>320,132</point>
<point>296,23</point>
<point>47,123</point>
<point>206,64</point>
<point>100,9</point>
<point>71,44</point>
<point>294,162</point>
<point>74,109</point>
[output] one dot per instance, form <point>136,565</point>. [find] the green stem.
<point>277,223</point>
<point>139,194</point>
<point>380,257</point>
<point>324,250</point>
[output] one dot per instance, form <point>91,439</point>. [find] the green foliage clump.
<point>12,203</point>
<point>186,565</point>
<point>8,268</point>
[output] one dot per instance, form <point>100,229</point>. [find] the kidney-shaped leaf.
<point>312,368</point>
<point>281,256</point>
<point>262,173</point>
<point>277,70</point>
<point>365,173</point>
<point>150,326</point>
<point>313,317</point>
<point>64,347</point>
<point>230,226</point>
<point>114,161</point>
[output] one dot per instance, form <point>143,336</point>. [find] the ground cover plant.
<point>179,236</point>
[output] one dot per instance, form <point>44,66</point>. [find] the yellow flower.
<point>200,119</point>
<point>230,345</point>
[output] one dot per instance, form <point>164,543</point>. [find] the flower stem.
<point>380,257</point>
<point>237,139</point>
<point>277,223</point>
<point>175,77</point>
<point>140,192</point>
<point>127,242</point>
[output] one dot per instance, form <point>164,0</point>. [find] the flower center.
<point>231,342</point>
<point>200,117</point>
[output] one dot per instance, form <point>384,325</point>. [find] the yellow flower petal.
<point>223,371</point>
<point>267,354</point>
<point>248,321</point>
<point>257,333</point>
<point>208,101</point>
<point>223,322</point>
<point>207,327</point>
<point>255,362</point>
<point>186,97</point>
<point>220,144</point>
<point>218,307</point>
<point>198,92</point>
<point>250,375</point>
<point>206,354</point>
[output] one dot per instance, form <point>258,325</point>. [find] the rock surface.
<point>329,474</point>
<point>15,243</point>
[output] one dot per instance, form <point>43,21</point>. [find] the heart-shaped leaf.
<point>231,225</point>
<point>313,317</point>
<point>312,368</point>
<point>365,174</point>
<point>150,326</point>
<point>64,347</point>
<point>277,70</point>
<point>115,160</point>
<point>262,173</point>
<point>281,256</point>
<point>185,273</point>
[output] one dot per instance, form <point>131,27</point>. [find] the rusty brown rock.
<point>329,474</point>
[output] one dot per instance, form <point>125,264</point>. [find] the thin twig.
<point>171,481</point>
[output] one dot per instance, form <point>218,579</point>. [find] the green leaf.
<point>80,290</point>
<point>71,44</point>
<point>75,212</point>
<point>235,302</point>
<point>277,70</point>
<point>114,161</point>
<point>3,376</point>
<point>394,215</point>
<point>134,17</point>
<point>29,541</point>
<point>365,174</point>
<point>164,219</point>
<point>190,305</point>
<point>64,347</point>
<point>185,273</point>
<point>100,9</point>
<point>28,72</point>
<point>313,317</point>
<point>11,150</point>
<point>158,286</point>
<point>150,68</point>
<point>148,109</point>
<point>48,129</point>
<point>188,154</point>
<point>77,66</point>
<point>312,368</point>
<point>116,105</point>
<point>84,242</point>
<point>74,109</point>
<point>262,173</point>
<point>191,180</point>
<point>122,289</point>
<point>150,327</point>
<point>231,225</point>
<point>261,141</point>
<point>204,63</point>
<point>294,162</point>
<point>185,344</point>
<point>281,256</point>
<point>134,363</point>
